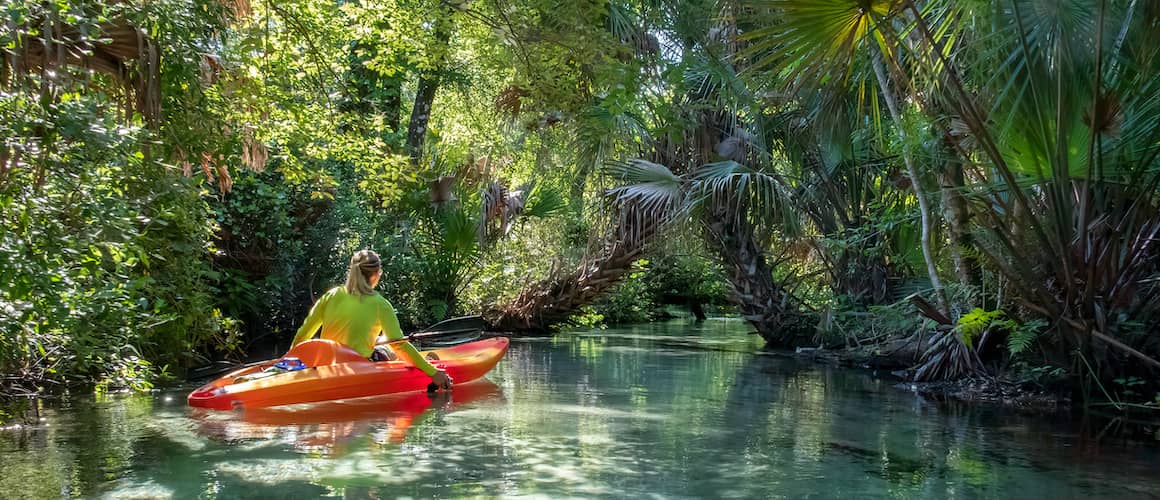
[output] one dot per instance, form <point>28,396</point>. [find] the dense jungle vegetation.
<point>971,182</point>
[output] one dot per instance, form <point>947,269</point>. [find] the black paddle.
<point>462,326</point>
<point>455,325</point>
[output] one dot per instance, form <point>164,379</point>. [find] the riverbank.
<point>896,360</point>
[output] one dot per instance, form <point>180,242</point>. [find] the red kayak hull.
<point>336,372</point>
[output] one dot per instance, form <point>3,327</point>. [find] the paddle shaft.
<point>423,336</point>
<point>460,324</point>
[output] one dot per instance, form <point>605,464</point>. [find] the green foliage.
<point>1128,386</point>
<point>104,245</point>
<point>676,277</point>
<point>1041,375</point>
<point>586,318</point>
<point>1020,336</point>
<point>123,260</point>
<point>630,301</point>
<point>267,235</point>
<point>444,241</point>
<point>1023,335</point>
<point>971,325</point>
<point>672,278</point>
<point>545,201</point>
<point>845,322</point>
<point>104,253</point>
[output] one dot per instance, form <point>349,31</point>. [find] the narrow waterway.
<point>668,410</point>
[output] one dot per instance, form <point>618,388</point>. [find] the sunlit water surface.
<point>667,410</point>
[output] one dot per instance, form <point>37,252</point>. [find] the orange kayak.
<point>333,371</point>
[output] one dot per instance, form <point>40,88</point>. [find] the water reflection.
<point>672,410</point>
<point>325,428</point>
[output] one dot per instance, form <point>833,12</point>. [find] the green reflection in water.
<point>666,410</point>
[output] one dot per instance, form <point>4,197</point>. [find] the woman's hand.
<point>441,379</point>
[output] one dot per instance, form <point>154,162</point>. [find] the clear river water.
<point>666,410</point>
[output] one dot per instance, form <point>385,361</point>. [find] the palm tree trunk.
<point>916,182</point>
<point>555,299</point>
<point>765,304</point>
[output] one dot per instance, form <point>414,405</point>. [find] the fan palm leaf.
<point>649,185</point>
<point>750,193</point>
<point>811,40</point>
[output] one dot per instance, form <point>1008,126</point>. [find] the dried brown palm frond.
<point>475,171</point>
<point>510,100</point>
<point>183,161</point>
<point>124,52</point>
<point>643,43</point>
<point>240,8</point>
<point>492,207</point>
<point>440,190</point>
<point>947,358</point>
<point>500,207</point>
<point>214,163</point>
<point>254,152</point>
<point>212,68</point>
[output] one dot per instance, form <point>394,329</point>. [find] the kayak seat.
<point>321,352</point>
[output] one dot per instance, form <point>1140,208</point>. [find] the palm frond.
<point>749,192</point>
<point>810,40</point>
<point>653,198</point>
<point>622,21</point>
<point>544,201</point>
<point>648,187</point>
<point>948,358</point>
<point>457,232</point>
<point>603,130</point>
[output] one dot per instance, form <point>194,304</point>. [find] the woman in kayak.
<point>353,315</point>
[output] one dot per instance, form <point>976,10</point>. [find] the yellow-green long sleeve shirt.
<point>355,321</point>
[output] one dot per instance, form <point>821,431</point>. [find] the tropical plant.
<point>711,164</point>
<point>1058,142</point>
<point>726,198</point>
<point>104,245</point>
<point>838,46</point>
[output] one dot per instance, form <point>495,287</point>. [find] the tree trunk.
<point>915,181</point>
<point>555,299</point>
<point>420,115</point>
<point>697,309</point>
<point>425,95</point>
<point>957,214</point>
<point>765,304</point>
<point>393,105</point>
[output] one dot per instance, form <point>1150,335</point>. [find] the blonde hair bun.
<point>363,265</point>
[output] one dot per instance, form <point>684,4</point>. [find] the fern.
<point>1023,335</point>
<point>977,321</point>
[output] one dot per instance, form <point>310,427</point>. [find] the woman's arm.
<point>390,324</point>
<point>313,320</point>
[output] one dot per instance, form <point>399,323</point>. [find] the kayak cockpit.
<point>319,352</point>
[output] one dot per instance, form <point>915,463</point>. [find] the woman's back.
<point>351,320</point>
